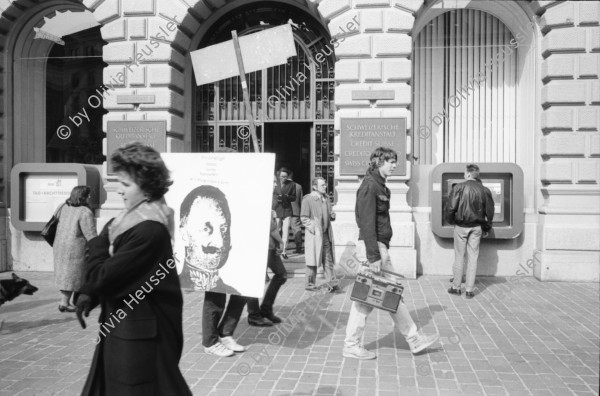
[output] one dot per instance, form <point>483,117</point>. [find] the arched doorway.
<point>293,104</point>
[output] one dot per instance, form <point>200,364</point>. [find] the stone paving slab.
<point>516,337</point>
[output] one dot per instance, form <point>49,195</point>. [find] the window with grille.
<point>464,89</point>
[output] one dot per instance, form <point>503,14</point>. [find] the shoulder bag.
<point>49,230</point>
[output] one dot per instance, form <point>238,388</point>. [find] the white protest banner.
<point>261,50</point>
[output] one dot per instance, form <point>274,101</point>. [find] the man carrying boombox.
<point>373,219</point>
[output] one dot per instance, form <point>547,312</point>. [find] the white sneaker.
<point>358,352</point>
<point>420,341</point>
<point>219,350</point>
<point>230,343</point>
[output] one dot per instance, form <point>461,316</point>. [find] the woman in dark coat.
<point>132,275</point>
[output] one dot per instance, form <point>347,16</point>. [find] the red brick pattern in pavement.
<point>513,338</point>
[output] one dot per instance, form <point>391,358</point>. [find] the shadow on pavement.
<point>23,306</point>
<point>15,327</point>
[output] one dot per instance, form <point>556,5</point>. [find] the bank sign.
<point>359,137</point>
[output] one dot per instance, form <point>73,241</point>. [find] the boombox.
<point>377,291</point>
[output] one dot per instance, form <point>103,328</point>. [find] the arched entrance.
<point>293,104</point>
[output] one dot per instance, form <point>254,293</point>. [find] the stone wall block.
<point>558,118</point>
<point>397,20</point>
<point>588,118</point>
<point>92,4</point>
<point>594,34</point>
<point>355,46</point>
<point>138,7</point>
<point>595,145</point>
<point>397,70</point>
<point>386,44</point>
<point>589,12</point>
<point>556,92</point>
<point>114,76</point>
<point>159,53</point>
<point>559,16</point>
<point>110,104</point>
<point>137,76</point>
<point>558,67</point>
<point>399,113</point>
<point>402,94</point>
<point>557,171</point>
<point>595,93</point>
<point>588,171</point>
<point>217,3</point>
<point>371,70</point>
<point>372,20</point>
<point>113,31</point>
<point>119,52</point>
<point>136,28</point>
<point>347,70</point>
<point>331,8</point>
<point>564,40</point>
<point>165,75</point>
<point>166,99</point>
<point>162,29</point>
<point>175,123</point>
<point>572,144</point>
<point>409,5</point>
<point>371,3</point>
<point>199,8</point>
<point>172,11</point>
<point>108,11</point>
<point>369,113</point>
<point>589,66</point>
<point>347,24</point>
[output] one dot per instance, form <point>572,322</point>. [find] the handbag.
<point>49,230</point>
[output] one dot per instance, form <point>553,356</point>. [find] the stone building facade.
<point>146,48</point>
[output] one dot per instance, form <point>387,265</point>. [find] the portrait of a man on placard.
<point>205,227</point>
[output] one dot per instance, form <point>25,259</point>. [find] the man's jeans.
<point>266,308</point>
<point>469,238</point>
<point>359,312</point>
<point>284,227</point>
<point>214,303</point>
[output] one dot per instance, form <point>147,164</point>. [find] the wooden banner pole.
<point>238,53</point>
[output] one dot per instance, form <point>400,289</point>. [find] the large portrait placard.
<point>222,204</point>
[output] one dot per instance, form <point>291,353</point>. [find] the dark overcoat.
<point>141,337</point>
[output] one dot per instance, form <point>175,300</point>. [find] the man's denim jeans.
<point>359,312</point>
<point>466,238</point>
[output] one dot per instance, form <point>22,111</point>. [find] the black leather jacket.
<point>470,204</point>
<point>372,213</point>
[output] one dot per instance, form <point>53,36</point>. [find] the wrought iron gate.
<point>300,91</point>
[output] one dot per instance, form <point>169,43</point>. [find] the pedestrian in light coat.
<point>316,216</point>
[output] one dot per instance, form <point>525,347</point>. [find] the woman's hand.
<point>83,308</point>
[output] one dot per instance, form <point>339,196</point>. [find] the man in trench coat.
<point>316,216</point>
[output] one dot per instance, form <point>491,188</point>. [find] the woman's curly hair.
<point>146,168</point>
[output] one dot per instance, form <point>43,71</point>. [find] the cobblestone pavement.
<point>516,337</point>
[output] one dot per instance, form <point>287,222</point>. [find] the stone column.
<point>373,52</point>
<point>569,226</point>
<point>142,61</point>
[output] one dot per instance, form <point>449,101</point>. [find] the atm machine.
<point>505,181</point>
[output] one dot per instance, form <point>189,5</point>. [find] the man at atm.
<point>470,208</point>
